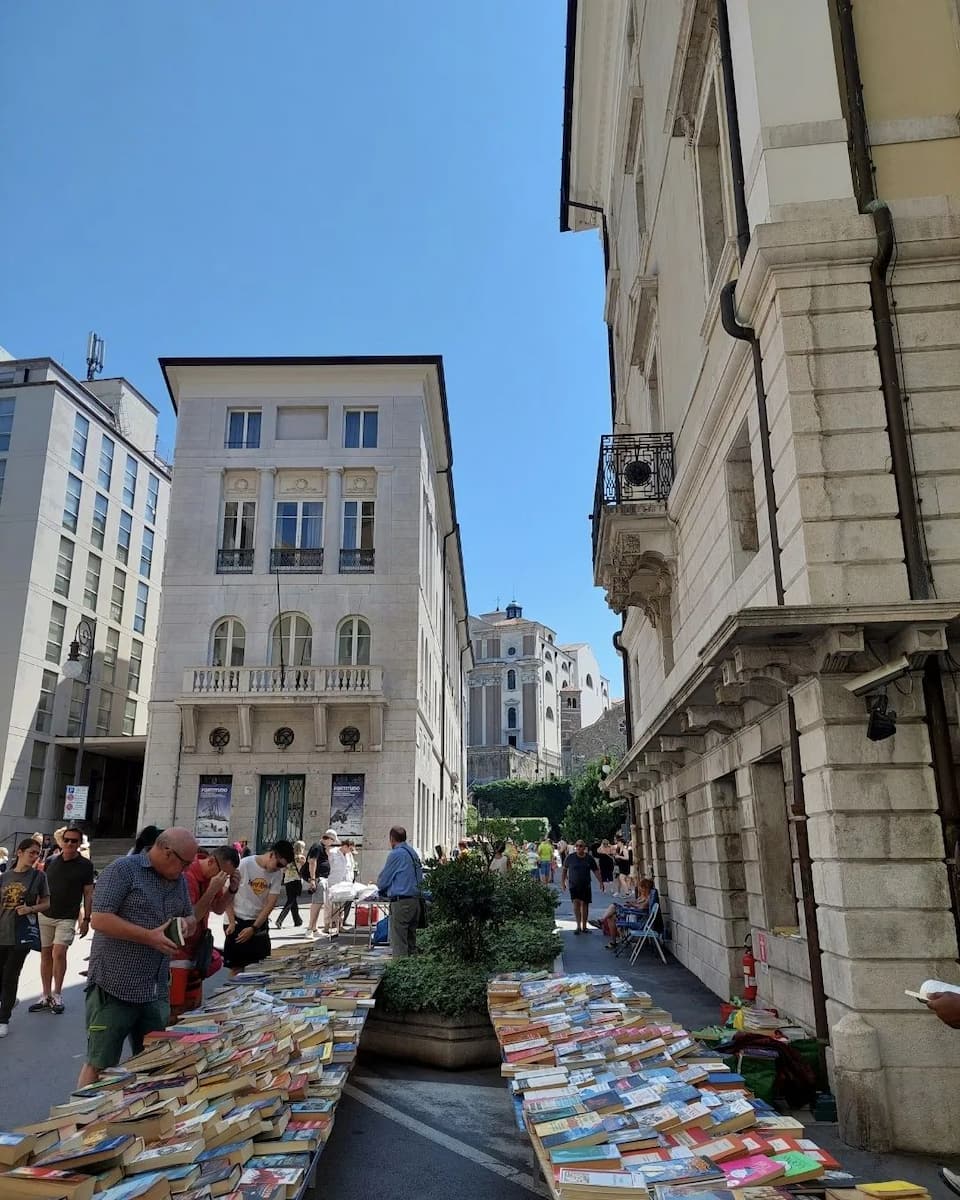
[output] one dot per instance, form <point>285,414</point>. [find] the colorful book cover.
<point>752,1171</point>
<point>797,1166</point>
<point>130,1189</point>
<point>618,1180</point>
<point>595,1154</point>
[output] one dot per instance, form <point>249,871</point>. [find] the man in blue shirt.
<point>400,882</point>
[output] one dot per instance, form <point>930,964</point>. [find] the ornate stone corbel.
<point>726,718</point>
<point>837,647</point>
<point>918,642</point>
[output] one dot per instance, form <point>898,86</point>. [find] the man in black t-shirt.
<point>70,879</point>
<point>578,867</point>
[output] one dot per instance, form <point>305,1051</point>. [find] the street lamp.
<point>78,666</point>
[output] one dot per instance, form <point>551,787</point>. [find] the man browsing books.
<point>70,879</point>
<point>577,868</point>
<point>129,976</point>
<point>248,912</point>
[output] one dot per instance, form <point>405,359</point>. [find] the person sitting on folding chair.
<point>632,912</point>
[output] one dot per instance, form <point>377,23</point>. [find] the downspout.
<point>745,333</point>
<point>911,529</point>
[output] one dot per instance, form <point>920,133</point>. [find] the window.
<point>48,693</point>
<point>153,500</point>
<point>91,584</point>
<point>229,642</point>
<point>78,450</point>
<point>511,680</point>
<point>353,642</point>
<point>71,505</point>
<point>742,501</point>
<point>589,681</point>
<point>123,536</point>
<point>61,582</point>
<point>236,537</point>
<point>104,711</point>
<point>38,764</point>
<point>111,649</point>
<point>58,621</point>
<point>129,716</point>
<point>548,676</point>
<point>130,481</point>
<point>136,666</point>
<point>99,529</point>
<point>6,421</point>
<point>291,639</point>
<point>146,553</point>
<point>140,612</point>
<point>105,471</point>
<point>298,535</point>
<point>356,552</point>
<point>549,713</point>
<point>360,428</point>
<point>116,596</point>
<point>511,717</point>
<point>512,740</point>
<point>243,429</point>
<point>75,711</point>
<point>710,184</point>
<point>548,656</point>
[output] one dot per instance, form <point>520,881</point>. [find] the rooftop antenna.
<point>95,348</point>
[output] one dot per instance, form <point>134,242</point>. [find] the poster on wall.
<point>346,806</point>
<point>213,810</point>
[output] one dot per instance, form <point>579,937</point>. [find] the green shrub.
<point>433,983</point>
<point>522,896</point>
<point>526,945</point>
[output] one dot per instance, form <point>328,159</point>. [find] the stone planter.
<point>453,1043</point>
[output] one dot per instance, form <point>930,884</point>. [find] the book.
<point>176,931</point>
<point>578,1185</point>
<point>235,1153</point>
<point>782,1145</point>
<point>164,1154</point>
<point>287,1178</point>
<point>798,1166</point>
<point>600,1158</point>
<point>45,1183</point>
<point>894,1189</point>
<point>751,1171</point>
<point>219,1176</point>
<point>16,1148</point>
<point>87,1151</point>
<point>152,1125</point>
<point>147,1187</point>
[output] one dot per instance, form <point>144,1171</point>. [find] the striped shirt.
<point>132,890</point>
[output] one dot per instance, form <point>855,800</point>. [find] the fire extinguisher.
<point>749,971</point>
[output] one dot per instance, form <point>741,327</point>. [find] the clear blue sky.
<point>309,177</point>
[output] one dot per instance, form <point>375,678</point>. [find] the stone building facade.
<point>314,630</point>
<point>604,738</point>
<point>527,694</point>
<point>83,516</point>
<point>777,508</point>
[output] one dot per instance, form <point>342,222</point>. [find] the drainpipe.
<point>745,333</point>
<point>911,529</point>
<point>611,355</point>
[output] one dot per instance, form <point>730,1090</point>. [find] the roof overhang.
<point>131,747</point>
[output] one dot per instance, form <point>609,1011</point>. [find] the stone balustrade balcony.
<point>264,684</point>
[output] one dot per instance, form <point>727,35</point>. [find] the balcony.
<point>633,542</point>
<point>302,559</point>
<point>230,684</point>
<point>235,562</point>
<point>356,562</point>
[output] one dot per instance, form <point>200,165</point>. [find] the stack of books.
<point>618,1099</point>
<point>236,1100</point>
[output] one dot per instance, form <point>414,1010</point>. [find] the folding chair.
<point>629,921</point>
<point>648,934</point>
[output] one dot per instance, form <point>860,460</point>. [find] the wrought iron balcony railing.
<point>356,562</point>
<point>634,468</point>
<point>301,558</point>
<point>235,562</point>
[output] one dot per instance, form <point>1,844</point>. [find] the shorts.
<point>243,954</point>
<point>582,892</point>
<point>544,870</point>
<point>57,931</point>
<point>110,1021</point>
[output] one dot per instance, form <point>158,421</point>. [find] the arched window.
<point>548,656</point>
<point>511,717</point>
<point>293,634</point>
<point>353,642</point>
<point>511,680</point>
<point>549,713</point>
<point>548,677</point>
<point>229,642</point>
<point>590,681</point>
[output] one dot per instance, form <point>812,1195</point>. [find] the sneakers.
<point>43,1005</point>
<point>56,1004</point>
<point>4,1028</point>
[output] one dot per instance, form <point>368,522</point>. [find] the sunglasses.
<point>71,841</point>
<point>183,861</point>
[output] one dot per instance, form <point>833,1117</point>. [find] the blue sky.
<point>304,177</point>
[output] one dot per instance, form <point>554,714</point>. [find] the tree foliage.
<point>590,815</point>
<point>524,798</point>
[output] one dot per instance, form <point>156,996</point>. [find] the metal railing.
<point>634,468</point>
<point>241,444</point>
<point>300,558</point>
<point>235,562</point>
<point>356,562</point>
<point>310,681</point>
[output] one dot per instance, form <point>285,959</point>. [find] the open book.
<point>930,987</point>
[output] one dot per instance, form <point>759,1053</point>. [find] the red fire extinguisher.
<point>749,971</point>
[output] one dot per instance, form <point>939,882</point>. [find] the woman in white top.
<point>499,864</point>
<point>339,873</point>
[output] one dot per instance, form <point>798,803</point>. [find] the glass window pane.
<point>104,709</point>
<point>6,421</point>
<point>140,615</point>
<point>153,499</point>
<point>146,553</point>
<point>91,584</point>
<point>71,504</point>
<point>75,711</point>
<point>286,534</point>
<point>78,450</point>
<point>108,665</point>
<point>370,430</point>
<point>61,582</point>
<point>311,525</point>
<point>123,536</point>
<point>350,525</point>
<point>351,428</point>
<point>48,691</point>
<point>253,430</point>
<point>136,666</point>
<point>363,644</point>
<point>99,528</point>
<point>130,481</point>
<point>116,596</point>
<point>105,472</point>
<point>58,621</point>
<point>129,716</point>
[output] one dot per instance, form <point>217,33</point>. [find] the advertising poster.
<point>346,806</point>
<point>213,810</point>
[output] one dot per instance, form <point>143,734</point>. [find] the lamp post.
<point>79,665</point>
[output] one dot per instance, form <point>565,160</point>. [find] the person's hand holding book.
<point>946,1005</point>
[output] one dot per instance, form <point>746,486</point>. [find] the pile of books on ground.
<point>236,1100</point>
<point>618,1099</point>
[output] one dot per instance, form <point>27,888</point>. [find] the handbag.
<point>204,955</point>
<point>27,929</point>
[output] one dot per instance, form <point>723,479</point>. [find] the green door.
<point>280,811</point>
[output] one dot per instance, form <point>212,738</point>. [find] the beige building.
<point>777,513</point>
<point>314,630</point>
<point>83,514</point>
<point>526,696</point>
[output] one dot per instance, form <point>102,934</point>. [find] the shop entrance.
<point>280,810</point>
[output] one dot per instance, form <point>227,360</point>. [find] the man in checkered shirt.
<point>128,980</point>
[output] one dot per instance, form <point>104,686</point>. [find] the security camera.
<point>877,679</point>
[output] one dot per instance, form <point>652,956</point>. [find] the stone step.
<point>104,850</point>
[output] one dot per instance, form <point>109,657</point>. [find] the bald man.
<point>127,994</point>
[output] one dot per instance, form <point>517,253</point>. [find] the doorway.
<point>280,811</point>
